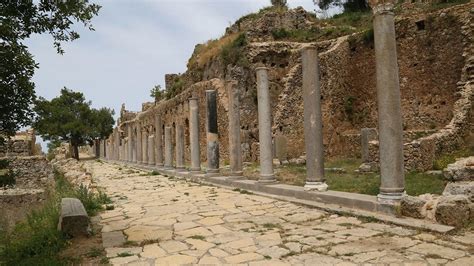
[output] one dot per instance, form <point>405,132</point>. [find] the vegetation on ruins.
<point>279,3</point>
<point>157,93</point>
<point>69,117</point>
<point>7,176</point>
<point>19,20</point>
<point>347,5</point>
<point>37,240</point>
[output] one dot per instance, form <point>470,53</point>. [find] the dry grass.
<point>208,51</point>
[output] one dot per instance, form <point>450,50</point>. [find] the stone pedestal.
<point>235,154</point>
<point>194,135</point>
<point>151,150</point>
<point>179,148</point>
<point>313,126</point>
<point>265,127</point>
<point>159,141</point>
<point>388,99</point>
<point>212,133</point>
<point>168,149</point>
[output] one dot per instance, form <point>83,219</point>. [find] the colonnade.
<point>146,148</point>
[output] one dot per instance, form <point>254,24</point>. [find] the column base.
<point>168,167</point>
<point>212,171</point>
<point>390,197</point>
<point>316,185</point>
<point>236,175</point>
<point>267,179</point>
<point>195,170</point>
<point>180,169</point>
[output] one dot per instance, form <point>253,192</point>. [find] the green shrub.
<point>232,52</point>
<point>7,178</point>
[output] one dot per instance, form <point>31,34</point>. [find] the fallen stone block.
<point>462,169</point>
<point>73,219</point>
<point>412,207</point>
<point>454,210</point>
<point>460,188</point>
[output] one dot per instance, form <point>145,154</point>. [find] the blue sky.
<point>135,43</point>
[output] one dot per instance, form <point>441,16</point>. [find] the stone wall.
<point>431,60</point>
<point>22,144</point>
<point>31,171</point>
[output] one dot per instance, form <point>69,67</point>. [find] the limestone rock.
<point>412,206</point>
<point>454,210</point>
<point>462,169</point>
<point>460,188</point>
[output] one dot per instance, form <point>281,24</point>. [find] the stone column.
<point>168,149</point>
<point>212,133</point>
<point>264,127</point>
<point>313,124</point>
<point>235,154</point>
<point>117,145</point>
<point>129,143</point>
<point>388,99</point>
<point>158,141</point>
<point>179,147</point>
<point>145,147</point>
<point>151,151</point>
<point>194,135</point>
<point>138,148</point>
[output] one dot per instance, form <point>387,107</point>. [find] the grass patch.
<point>204,53</point>
<point>271,226</point>
<point>124,254</point>
<point>243,191</point>
<point>37,241</point>
<point>416,183</point>
<point>199,237</point>
<point>442,161</point>
<point>109,207</point>
<point>95,252</point>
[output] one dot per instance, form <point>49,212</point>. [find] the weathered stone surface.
<point>462,169</point>
<point>412,206</point>
<point>454,210</point>
<point>460,188</point>
<point>73,219</point>
<point>252,229</point>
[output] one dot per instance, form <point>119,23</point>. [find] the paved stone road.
<point>167,221</point>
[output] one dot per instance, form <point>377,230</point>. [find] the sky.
<point>135,43</point>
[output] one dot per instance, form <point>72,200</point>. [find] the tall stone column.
<point>158,141</point>
<point>313,124</point>
<point>388,99</point>
<point>151,150</point>
<point>139,143</point>
<point>144,147</point>
<point>264,127</point>
<point>117,145</point>
<point>168,149</point>
<point>129,143</point>
<point>212,133</point>
<point>194,135</point>
<point>179,147</point>
<point>235,154</point>
<point>134,143</point>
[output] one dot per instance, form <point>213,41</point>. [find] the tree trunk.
<point>75,150</point>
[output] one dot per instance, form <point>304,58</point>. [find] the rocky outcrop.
<point>456,210</point>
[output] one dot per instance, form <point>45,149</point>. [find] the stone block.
<point>462,169</point>
<point>73,220</point>
<point>412,206</point>
<point>460,188</point>
<point>454,210</point>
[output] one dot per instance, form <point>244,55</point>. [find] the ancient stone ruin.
<point>399,117</point>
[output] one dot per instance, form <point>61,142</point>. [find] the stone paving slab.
<point>170,221</point>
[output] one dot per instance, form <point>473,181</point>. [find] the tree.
<point>70,118</point>
<point>348,5</point>
<point>279,3</point>
<point>157,93</point>
<point>18,20</point>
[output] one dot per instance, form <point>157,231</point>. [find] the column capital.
<point>382,6</point>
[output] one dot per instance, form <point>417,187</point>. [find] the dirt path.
<point>167,221</point>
